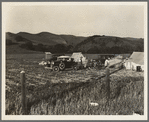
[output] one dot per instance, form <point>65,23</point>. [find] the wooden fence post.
<point>23,92</point>
<point>107,85</point>
<point>81,62</point>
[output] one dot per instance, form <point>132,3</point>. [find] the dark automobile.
<point>62,62</point>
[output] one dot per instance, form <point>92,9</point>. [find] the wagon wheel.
<point>55,68</point>
<point>62,66</point>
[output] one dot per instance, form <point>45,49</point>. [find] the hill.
<point>54,43</point>
<point>44,38</point>
<point>107,44</point>
<point>73,40</point>
<point>133,39</point>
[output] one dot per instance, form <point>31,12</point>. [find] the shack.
<point>48,55</point>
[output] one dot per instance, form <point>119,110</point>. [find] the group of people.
<point>99,63</point>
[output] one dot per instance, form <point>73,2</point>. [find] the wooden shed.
<point>48,55</point>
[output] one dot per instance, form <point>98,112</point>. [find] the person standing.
<point>81,62</point>
<point>107,62</point>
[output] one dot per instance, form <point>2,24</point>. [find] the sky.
<point>79,20</point>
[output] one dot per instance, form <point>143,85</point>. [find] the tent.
<point>135,60</point>
<point>78,56</point>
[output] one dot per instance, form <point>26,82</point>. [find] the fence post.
<point>23,92</point>
<point>107,85</point>
<point>81,62</point>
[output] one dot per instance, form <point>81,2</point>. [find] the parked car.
<point>62,62</point>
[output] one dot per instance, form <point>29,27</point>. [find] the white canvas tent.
<point>78,56</point>
<point>136,59</point>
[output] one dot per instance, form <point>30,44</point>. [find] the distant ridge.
<point>71,43</point>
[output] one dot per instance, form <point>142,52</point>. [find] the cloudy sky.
<point>76,19</point>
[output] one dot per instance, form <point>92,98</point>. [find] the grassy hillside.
<point>15,39</point>
<point>73,40</point>
<point>46,41</point>
<point>106,44</point>
<point>45,38</point>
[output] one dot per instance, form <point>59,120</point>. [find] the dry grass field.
<point>70,92</point>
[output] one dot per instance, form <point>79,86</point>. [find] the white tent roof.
<point>77,56</point>
<point>137,57</point>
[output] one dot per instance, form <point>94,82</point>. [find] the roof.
<point>77,55</point>
<point>137,57</point>
<point>63,57</point>
<point>48,53</point>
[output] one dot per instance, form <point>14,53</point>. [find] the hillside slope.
<point>46,41</point>
<point>44,38</point>
<point>73,40</point>
<point>106,44</point>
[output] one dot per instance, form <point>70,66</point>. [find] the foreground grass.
<point>71,98</point>
<point>126,96</point>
